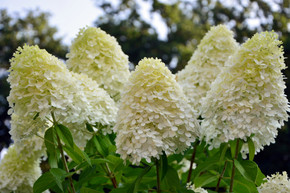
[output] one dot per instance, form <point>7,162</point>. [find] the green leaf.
<point>115,163</point>
<point>98,146</point>
<point>233,145</point>
<point>82,154</point>
<point>64,134</point>
<point>102,144</point>
<point>211,162</point>
<point>89,190</point>
<point>50,140</point>
<point>97,161</point>
<point>243,185</point>
<point>72,154</point>
<point>51,147</point>
<point>172,179</point>
<point>44,182</point>
<point>253,171</point>
<point>205,179</point>
<point>86,175</point>
<point>242,170</point>
<point>164,165</point>
<point>119,190</point>
<point>134,187</point>
<point>224,148</point>
<point>251,146</point>
<point>89,127</point>
<point>58,175</point>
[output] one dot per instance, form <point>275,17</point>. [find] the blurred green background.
<point>185,22</point>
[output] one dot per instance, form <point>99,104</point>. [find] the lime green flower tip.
<point>247,98</point>
<point>206,63</point>
<point>154,114</point>
<point>41,85</point>
<point>18,175</point>
<point>98,55</point>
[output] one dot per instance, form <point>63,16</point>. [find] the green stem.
<point>111,176</point>
<point>62,155</point>
<point>233,169</point>
<point>221,176</point>
<point>191,162</point>
<point>64,162</point>
<point>158,176</point>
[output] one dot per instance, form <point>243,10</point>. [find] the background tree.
<point>187,22</point>
<point>16,31</point>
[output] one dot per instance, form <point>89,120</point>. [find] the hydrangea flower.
<point>206,63</point>
<point>276,183</point>
<point>17,174</point>
<point>154,114</point>
<point>41,84</point>
<point>98,55</point>
<point>247,98</point>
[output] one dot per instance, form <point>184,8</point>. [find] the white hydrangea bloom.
<point>247,99</point>
<point>276,183</point>
<point>154,114</point>
<point>191,186</point>
<point>17,174</point>
<point>205,64</point>
<point>97,54</point>
<point>41,84</point>
<point>100,108</point>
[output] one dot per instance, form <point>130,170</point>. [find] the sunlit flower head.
<point>247,98</point>
<point>41,85</point>
<point>276,183</point>
<point>206,63</point>
<point>17,174</point>
<point>98,55</point>
<point>154,114</point>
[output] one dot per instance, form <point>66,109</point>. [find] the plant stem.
<point>233,169</point>
<point>64,162</point>
<point>111,176</point>
<point>62,155</point>
<point>158,175</point>
<point>221,176</point>
<point>191,162</point>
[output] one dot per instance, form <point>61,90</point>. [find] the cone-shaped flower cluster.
<point>98,55</point>
<point>154,115</point>
<point>206,63</point>
<point>276,183</point>
<point>41,84</point>
<point>247,99</point>
<point>17,171</point>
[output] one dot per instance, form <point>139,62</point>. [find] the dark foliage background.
<point>186,23</point>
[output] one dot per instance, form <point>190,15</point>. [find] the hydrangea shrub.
<point>150,139</point>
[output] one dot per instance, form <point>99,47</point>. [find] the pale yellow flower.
<point>97,54</point>
<point>41,85</point>
<point>17,174</point>
<point>154,114</point>
<point>247,98</point>
<point>206,63</point>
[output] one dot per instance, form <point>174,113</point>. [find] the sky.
<point>71,15</point>
<point>67,15</point>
